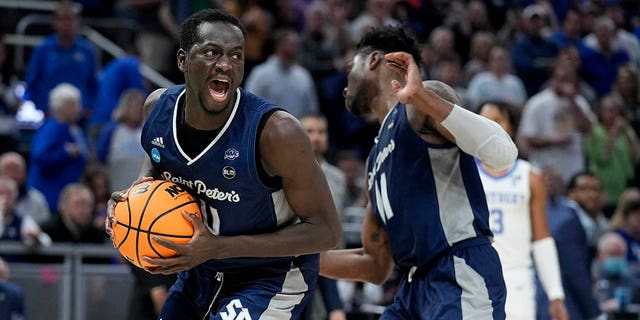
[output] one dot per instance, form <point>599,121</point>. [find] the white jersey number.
<point>382,199</point>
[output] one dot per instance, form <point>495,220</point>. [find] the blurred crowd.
<point>570,67</point>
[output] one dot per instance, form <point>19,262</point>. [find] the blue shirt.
<point>118,76</point>
<point>51,64</point>
<point>601,71</point>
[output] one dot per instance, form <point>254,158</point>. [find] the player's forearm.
<point>481,137</point>
<point>355,265</point>
<point>311,236</point>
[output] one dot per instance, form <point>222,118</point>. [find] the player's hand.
<point>117,196</point>
<point>403,64</point>
<point>188,255</point>
<point>557,310</point>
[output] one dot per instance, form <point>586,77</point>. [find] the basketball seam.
<point>142,217</point>
<point>126,235</point>
<point>158,218</point>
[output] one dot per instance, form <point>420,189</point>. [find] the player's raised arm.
<point>475,135</point>
<point>371,263</point>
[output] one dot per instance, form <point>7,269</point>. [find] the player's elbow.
<point>498,153</point>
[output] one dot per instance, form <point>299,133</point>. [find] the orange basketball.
<point>152,208</point>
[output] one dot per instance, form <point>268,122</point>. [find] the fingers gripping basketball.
<point>152,208</point>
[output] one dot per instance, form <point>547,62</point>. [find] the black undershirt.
<point>193,141</point>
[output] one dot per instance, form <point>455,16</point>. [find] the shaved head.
<point>443,90</point>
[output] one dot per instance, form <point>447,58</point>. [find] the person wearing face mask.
<point>616,283</point>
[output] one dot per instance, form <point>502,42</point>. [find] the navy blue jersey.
<point>224,176</point>
<point>427,196</point>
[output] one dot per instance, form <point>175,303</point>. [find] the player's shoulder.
<point>151,100</point>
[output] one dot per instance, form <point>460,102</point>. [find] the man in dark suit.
<point>574,252</point>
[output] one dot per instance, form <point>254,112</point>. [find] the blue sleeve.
<point>132,73</point>
<point>329,290</point>
<point>47,149</point>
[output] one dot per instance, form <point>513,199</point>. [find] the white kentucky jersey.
<point>508,198</point>
<point>427,196</point>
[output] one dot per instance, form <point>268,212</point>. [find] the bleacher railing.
<point>71,289</point>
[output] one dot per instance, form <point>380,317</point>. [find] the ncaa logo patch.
<point>231,154</point>
<point>155,155</point>
<point>229,172</point>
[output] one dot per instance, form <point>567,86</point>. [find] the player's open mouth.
<point>219,89</point>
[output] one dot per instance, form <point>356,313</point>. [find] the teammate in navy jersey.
<point>266,206</point>
<point>427,210</point>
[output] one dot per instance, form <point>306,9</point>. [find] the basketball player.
<point>266,205</point>
<point>516,198</point>
<point>427,210</point>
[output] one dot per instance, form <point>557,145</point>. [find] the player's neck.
<point>384,102</point>
<point>197,117</point>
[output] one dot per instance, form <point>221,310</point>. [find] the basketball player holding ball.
<point>266,206</point>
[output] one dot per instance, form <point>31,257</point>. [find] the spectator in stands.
<point>600,63</point>
<point>441,41</point>
<point>623,39</point>
<point>96,177</point>
<point>64,57</point>
<point>12,301</point>
<point>320,45</point>
<point>628,196</point>
<point>628,227</point>
<point>481,44</point>
<point>377,13</point>
<point>351,165</point>
<point>553,124</point>
<point>614,274</point>
<point>12,226</point>
<point>613,150</point>
<point>282,81</point>
<point>30,202</point>
<point>470,20</point>
<point>497,83</point>
<point>118,76</point>
<point>74,221</point>
<point>587,199</point>
<point>448,71</point>
<point>570,56</point>
<point>627,88</point>
<point>570,34</point>
<point>532,53</point>
<point>574,255</point>
<point>59,150</point>
<point>118,145</point>
<point>153,40</point>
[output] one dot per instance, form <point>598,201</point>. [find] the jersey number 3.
<point>496,222</point>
